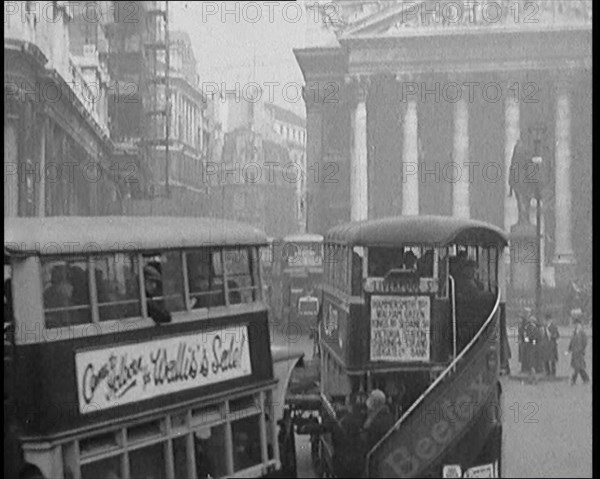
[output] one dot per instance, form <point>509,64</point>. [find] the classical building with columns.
<point>416,108</point>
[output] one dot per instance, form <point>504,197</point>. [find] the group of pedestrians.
<point>538,347</point>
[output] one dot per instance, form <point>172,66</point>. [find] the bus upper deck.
<point>140,347</point>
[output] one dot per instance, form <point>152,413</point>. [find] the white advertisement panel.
<point>400,328</point>
<point>126,374</point>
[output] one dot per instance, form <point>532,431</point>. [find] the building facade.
<point>290,130</point>
<point>420,108</point>
<point>57,150</point>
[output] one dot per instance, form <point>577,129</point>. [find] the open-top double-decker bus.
<point>413,307</point>
<point>139,348</point>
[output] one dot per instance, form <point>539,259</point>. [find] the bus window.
<point>109,468</point>
<point>357,271</point>
<point>443,272</point>
<point>381,260</point>
<point>164,280</point>
<point>209,444</point>
<point>425,264</point>
<point>148,462</point>
<point>66,293</point>
<point>246,443</point>
<point>205,277</point>
<point>117,286</point>
<point>241,283</point>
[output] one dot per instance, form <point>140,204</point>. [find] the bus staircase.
<point>462,400</point>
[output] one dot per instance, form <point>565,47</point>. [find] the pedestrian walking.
<point>524,358</point>
<point>551,336</point>
<point>577,349</point>
<point>533,350</point>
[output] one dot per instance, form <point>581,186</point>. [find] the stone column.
<point>460,191</point>
<point>314,153</point>
<point>512,133</point>
<point>410,159</point>
<point>564,256</point>
<point>44,125</point>
<point>359,167</point>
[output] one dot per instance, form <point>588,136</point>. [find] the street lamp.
<point>537,160</point>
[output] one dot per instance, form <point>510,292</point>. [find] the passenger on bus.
<point>467,285</point>
<point>410,261</point>
<point>349,451</point>
<point>379,418</point>
<point>425,265</point>
<point>153,286</point>
<point>457,262</point>
<point>60,292</point>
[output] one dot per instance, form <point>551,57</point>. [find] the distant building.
<point>263,164</point>
<point>57,150</point>
<point>291,132</point>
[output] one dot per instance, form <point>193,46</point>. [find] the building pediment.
<point>401,18</point>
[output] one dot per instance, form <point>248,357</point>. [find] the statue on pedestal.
<point>525,177</point>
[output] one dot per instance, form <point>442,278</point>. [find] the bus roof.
<point>303,238</point>
<point>90,234</point>
<point>416,230</point>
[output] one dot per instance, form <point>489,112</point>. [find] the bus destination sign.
<point>382,285</point>
<point>112,377</point>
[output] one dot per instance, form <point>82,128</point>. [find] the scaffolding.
<point>158,109</point>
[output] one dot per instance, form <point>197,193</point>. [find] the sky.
<point>253,42</point>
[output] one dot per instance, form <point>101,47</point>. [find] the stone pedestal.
<point>524,259</point>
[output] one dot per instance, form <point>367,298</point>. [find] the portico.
<point>424,118</point>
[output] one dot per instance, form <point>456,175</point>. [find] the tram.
<point>137,352</point>
<point>301,272</point>
<point>413,306</point>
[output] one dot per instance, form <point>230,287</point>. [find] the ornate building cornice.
<point>393,18</point>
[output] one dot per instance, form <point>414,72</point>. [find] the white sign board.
<point>127,374</point>
<point>488,470</point>
<point>400,328</point>
<point>452,471</point>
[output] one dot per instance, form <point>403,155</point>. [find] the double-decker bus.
<point>139,348</point>
<point>300,275</point>
<point>413,307</point>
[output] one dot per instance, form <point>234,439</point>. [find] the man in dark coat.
<point>533,352</point>
<point>577,349</point>
<point>349,451</point>
<point>551,335</point>
<point>379,418</point>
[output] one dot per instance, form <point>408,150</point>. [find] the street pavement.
<point>547,427</point>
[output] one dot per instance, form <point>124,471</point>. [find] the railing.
<point>445,375</point>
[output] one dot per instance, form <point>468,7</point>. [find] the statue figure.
<point>525,177</point>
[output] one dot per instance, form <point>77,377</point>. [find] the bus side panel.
<point>441,331</point>
<point>47,400</point>
<point>357,344</point>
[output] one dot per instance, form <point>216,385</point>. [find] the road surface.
<point>547,427</point>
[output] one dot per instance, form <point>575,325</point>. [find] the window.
<point>110,467</point>
<point>205,277</point>
<point>241,269</point>
<point>246,443</point>
<point>357,271</point>
<point>164,280</point>
<point>148,462</point>
<point>117,286</point>
<point>209,451</point>
<point>66,293</point>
